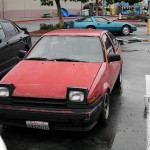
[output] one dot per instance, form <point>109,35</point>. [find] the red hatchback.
<point>63,82</point>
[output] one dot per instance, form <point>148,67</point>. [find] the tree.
<point>50,3</point>
<point>131,2</point>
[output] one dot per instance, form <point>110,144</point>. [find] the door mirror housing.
<point>113,57</point>
<point>22,54</point>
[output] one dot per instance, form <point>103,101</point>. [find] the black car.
<point>12,39</point>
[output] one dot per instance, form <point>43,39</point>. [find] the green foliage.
<point>47,2</point>
<point>50,27</point>
<point>50,2</point>
<point>131,2</point>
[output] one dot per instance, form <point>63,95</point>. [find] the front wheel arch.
<point>90,27</point>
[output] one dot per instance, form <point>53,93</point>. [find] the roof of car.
<point>4,20</point>
<point>80,32</point>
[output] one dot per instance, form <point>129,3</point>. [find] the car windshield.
<point>68,48</point>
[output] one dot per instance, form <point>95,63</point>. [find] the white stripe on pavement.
<point>147,104</point>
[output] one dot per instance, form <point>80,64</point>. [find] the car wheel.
<point>90,27</point>
<point>126,30</point>
<point>105,110</point>
<point>119,79</point>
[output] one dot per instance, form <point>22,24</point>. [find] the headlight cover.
<point>77,95</point>
<point>6,90</point>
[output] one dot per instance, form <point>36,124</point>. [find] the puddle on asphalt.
<point>124,42</point>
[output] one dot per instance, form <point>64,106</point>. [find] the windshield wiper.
<point>54,59</point>
<point>67,59</point>
<point>37,58</point>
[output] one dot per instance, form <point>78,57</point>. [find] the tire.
<point>105,110</point>
<point>126,30</point>
<point>90,27</point>
<point>119,80</point>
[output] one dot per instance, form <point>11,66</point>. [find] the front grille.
<point>46,102</point>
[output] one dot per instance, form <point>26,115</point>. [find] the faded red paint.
<point>50,79</point>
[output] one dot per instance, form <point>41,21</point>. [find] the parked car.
<point>12,39</point>
<point>97,22</point>
<point>64,82</point>
<point>2,144</point>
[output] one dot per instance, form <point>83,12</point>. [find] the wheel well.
<point>91,26</point>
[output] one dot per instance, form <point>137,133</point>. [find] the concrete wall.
<point>33,8</point>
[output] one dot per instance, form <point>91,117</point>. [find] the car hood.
<point>50,79</point>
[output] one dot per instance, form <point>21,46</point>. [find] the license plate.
<point>37,125</point>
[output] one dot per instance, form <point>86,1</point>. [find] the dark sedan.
<point>12,39</point>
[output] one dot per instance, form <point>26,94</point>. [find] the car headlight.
<point>6,90</point>
<point>77,94</point>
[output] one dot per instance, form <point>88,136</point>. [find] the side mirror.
<point>25,30</point>
<point>22,53</point>
<point>113,57</point>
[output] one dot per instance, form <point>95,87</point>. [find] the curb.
<point>56,18</point>
<point>40,19</point>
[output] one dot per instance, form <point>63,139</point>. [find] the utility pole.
<point>103,7</point>
<point>3,9</point>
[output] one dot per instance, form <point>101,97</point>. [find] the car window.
<point>99,19</point>
<point>81,48</point>
<point>2,35</point>
<point>10,28</point>
<point>114,40</point>
<point>108,44</point>
<point>88,19</point>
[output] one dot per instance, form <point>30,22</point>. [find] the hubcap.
<point>106,109</point>
<point>126,30</point>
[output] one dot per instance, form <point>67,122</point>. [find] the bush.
<point>50,27</point>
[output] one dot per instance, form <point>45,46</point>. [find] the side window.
<point>10,29</point>
<point>114,40</point>
<point>108,44</point>
<point>87,20</point>
<point>2,35</point>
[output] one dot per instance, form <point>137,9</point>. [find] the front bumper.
<point>76,119</point>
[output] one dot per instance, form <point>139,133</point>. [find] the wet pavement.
<point>127,123</point>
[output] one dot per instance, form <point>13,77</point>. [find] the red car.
<point>63,82</point>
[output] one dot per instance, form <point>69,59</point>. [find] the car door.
<point>84,22</point>
<point>112,67</point>
<point>13,41</point>
<point>5,51</point>
<point>102,23</point>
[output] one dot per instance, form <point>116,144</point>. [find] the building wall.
<point>32,8</point>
